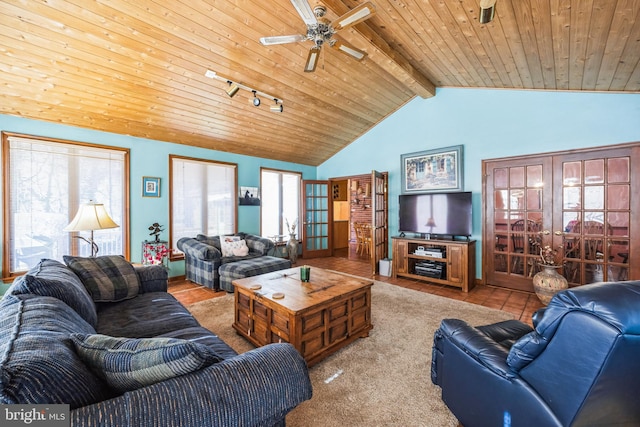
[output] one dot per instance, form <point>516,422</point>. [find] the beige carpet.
<point>382,380</point>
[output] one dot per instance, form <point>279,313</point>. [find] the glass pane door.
<point>595,218</point>
<point>518,196</point>
<point>316,239</point>
<point>586,215</point>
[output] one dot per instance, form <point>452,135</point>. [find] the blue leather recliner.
<point>579,366</point>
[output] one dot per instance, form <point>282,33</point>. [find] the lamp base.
<point>94,245</point>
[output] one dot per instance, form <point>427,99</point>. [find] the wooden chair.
<point>356,229</point>
<point>363,238</point>
<point>593,233</point>
<point>520,240</point>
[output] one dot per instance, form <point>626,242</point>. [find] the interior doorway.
<point>351,198</point>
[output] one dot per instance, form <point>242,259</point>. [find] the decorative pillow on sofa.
<point>53,278</point>
<point>233,246</point>
<point>131,363</point>
<point>108,278</point>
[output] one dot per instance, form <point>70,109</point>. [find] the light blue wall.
<point>489,124</point>
<point>151,158</point>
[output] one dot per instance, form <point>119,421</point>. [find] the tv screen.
<point>436,214</point>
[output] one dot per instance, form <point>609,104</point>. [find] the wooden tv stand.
<point>448,262</point>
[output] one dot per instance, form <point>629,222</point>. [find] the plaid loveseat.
<point>203,256</point>
<point>105,338</point>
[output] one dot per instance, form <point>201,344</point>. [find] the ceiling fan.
<point>321,31</point>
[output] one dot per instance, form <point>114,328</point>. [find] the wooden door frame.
<point>385,251</point>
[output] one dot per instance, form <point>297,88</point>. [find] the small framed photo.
<point>432,170</point>
<point>249,196</point>
<point>150,186</point>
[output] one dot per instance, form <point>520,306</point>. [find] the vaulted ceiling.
<point>138,67</point>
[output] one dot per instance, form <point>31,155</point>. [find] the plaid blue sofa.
<point>105,337</point>
<point>203,258</point>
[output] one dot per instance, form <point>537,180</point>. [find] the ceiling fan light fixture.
<point>233,89</point>
<point>487,11</point>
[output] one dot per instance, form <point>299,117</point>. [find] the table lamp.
<point>91,216</point>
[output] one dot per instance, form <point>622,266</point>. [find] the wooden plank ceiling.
<point>138,67</point>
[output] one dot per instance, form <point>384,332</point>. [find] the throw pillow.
<point>108,278</point>
<point>240,248</point>
<point>131,363</point>
<point>229,245</point>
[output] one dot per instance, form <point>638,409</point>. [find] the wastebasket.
<point>384,266</point>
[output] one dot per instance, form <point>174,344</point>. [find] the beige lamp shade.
<point>91,216</point>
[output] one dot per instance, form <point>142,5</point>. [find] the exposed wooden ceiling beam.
<point>388,59</point>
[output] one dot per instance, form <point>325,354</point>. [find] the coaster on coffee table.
<point>277,295</point>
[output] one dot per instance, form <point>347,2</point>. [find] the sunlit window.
<point>47,180</point>
<point>203,198</point>
<point>280,202</point>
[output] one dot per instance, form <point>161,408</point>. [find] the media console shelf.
<point>449,262</point>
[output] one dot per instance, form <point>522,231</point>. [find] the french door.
<point>317,216</point>
<point>380,219</point>
<point>578,203</point>
<point>518,206</point>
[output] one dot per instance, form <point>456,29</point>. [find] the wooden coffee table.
<point>317,317</point>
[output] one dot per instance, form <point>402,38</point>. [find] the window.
<point>203,198</point>
<point>45,182</point>
<point>280,202</point>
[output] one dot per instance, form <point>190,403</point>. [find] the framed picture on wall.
<point>432,170</point>
<point>150,186</point>
<point>249,196</point>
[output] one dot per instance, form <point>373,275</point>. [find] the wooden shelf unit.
<point>456,266</point>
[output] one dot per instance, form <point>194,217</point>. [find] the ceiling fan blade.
<point>312,60</point>
<point>282,39</point>
<point>349,50</point>
<point>305,11</point>
<point>358,14</point>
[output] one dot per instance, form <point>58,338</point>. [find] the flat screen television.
<point>436,214</point>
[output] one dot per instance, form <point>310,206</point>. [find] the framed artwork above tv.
<point>432,170</point>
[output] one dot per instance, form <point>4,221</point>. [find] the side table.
<point>280,246</point>
<point>155,252</point>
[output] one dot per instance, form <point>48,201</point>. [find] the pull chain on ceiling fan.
<point>321,31</point>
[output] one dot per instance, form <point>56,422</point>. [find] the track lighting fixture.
<point>487,11</point>
<point>256,100</point>
<point>234,87</point>
<point>276,108</point>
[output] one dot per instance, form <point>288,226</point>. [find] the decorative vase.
<point>548,281</point>
<point>292,248</point>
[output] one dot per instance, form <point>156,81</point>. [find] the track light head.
<point>233,89</point>
<point>276,108</point>
<point>487,11</point>
<point>256,100</point>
